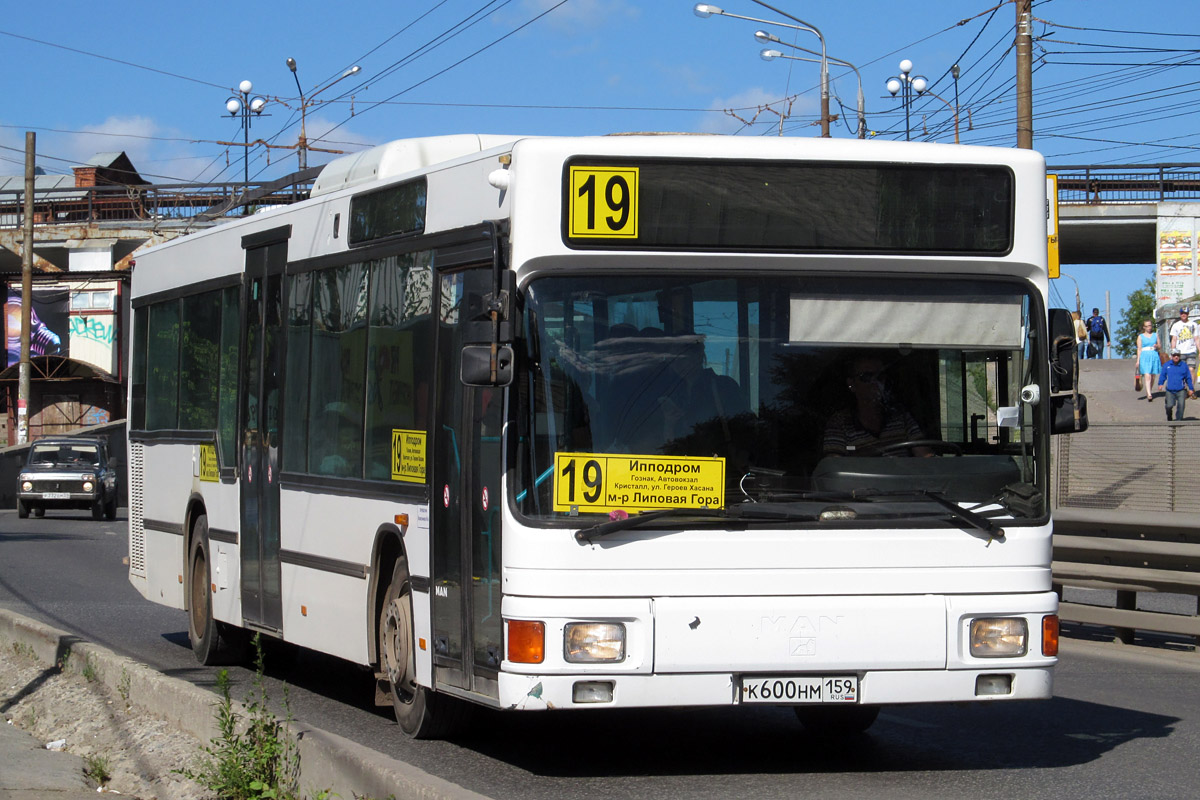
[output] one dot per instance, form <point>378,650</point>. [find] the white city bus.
<point>613,422</point>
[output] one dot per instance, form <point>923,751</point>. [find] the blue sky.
<point>152,79</point>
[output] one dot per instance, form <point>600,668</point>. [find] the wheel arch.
<point>387,551</point>
<point>195,508</point>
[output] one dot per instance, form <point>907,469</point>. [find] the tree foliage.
<point>1141,308</point>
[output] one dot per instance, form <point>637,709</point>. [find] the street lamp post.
<point>302,147</point>
<point>770,55</point>
<point>245,105</point>
<point>907,84</point>
<point>705,10</point>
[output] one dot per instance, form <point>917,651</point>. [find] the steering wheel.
<point>937,445</point>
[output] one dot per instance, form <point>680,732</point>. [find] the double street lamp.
<point>771,55</point>
<point>245,105</point>
<point>705,10</point>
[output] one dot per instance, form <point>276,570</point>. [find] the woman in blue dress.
<point>1148,359</point>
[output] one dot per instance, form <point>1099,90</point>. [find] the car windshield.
<point>82,454</point>
<point>656,391</point>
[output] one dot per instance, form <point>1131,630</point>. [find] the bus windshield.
<point>702,391</point>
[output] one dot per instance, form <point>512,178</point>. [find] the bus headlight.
<point>999,637</point>
<point>592,642</point>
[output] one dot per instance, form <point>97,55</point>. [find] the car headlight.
<point>26,486</point>
<point>87,476</point>
<point>999,637</point>
<point>88,486</point>
<point>592,642</point>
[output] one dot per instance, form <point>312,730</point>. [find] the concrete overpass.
<point>1109,215</point>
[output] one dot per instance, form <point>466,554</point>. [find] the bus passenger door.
<point>467,634</point>
<point>260,436</point>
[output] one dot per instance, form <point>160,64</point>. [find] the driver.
<point>872,423</point>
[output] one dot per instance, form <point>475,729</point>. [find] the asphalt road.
<point>1125,722</point>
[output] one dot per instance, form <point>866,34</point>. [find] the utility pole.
<point>26,292</point>
<point>1024,74</point>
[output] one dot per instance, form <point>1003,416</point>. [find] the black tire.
<point>834,721</point>
<point>110,509</point>
<point>39,512</point>
<point>22,509</point>
<point>98,509</point>
<point>420,712</point>
<point>212,642</point>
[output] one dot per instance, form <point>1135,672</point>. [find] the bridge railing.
<point>1127,499</point>
<point>1150,183</point>
<point>149,203</point>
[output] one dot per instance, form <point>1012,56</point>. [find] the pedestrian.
<point>1081,337</point>
<point>1183,339</point>
<point>1177,378</point>
<point>1097,331</point>
<point>1148,361</point>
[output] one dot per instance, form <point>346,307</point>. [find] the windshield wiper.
<point>740,512</point>
<point>586,535</point>
<point>972,519</point>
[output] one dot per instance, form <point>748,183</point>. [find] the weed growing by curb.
<point>96,768</point>
<point>252,757</point>
<point>90,673</point>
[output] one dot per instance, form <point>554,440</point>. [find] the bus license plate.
<point>800,689</point>
<point>56,495</point>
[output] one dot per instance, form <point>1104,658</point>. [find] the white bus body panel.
<point>330,611</point>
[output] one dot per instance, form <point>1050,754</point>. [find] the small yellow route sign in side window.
<point>603,203</point>
<point>209,471</point>
<point>601,482</point>
<point>408,455</point>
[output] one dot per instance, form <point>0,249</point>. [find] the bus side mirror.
<point>1065,417</point>
<point>476,365</point>
<point>1062,350</point>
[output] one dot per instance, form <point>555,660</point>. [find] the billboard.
<point>49,324</point>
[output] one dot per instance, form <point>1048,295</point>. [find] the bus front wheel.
<point>420,712</point>
<point>212,642</point>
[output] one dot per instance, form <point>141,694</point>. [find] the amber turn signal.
<point>526,641</point>
<point>1050,635</point>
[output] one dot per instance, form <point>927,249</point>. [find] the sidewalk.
<point>28,771</point>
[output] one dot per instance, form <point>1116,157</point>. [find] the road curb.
<point>327,761</point>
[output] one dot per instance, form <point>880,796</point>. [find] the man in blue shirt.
<point>1177,378</point>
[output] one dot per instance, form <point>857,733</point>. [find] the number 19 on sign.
<point>603,203</point>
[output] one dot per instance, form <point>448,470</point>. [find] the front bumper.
<point>876,687</point>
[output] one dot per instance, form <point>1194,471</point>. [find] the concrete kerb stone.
<point>327,761</point>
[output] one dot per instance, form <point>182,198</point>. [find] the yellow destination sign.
<point>601,482</point>
<point>603,203</point>
<point>408,456</point>
<point>209,471</point>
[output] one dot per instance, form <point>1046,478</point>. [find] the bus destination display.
<point>600,482</point>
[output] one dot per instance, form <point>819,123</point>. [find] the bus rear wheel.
<point>420,712</point>
<point>212,642</point>
<point>835,721</point>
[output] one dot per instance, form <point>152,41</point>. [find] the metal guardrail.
<point>1126,506</point>
<point>1149,183</point>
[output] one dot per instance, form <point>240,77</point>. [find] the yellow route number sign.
<point>603,203</point>
<point>209,471</point>
<point>408,455</point>
<point>601,482</point>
